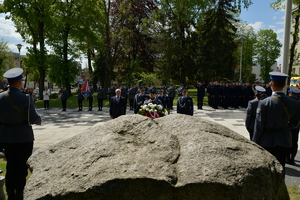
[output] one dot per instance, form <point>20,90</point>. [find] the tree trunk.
<point>294,43</point>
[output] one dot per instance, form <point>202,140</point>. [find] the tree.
<point>267,50</point>
<point>246,32</point>
<point>5,56</point>
<point>132,34</point>
<point>218,34</point>
<point>31,18</point>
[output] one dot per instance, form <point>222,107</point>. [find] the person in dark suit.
<point>251,109</point>
<point>185,104</point>
<point>16,134</point>
<point>64,97</point>
<point>117,105</point>
<point>80,98</point>
<point>101,96</point>
<point>275,116</point>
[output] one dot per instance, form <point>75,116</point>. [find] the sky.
<point>259,15</point>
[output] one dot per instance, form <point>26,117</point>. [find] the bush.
<point>54,96</point>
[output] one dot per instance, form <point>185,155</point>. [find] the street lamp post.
<point>19,46</point>
<point>241,40</point>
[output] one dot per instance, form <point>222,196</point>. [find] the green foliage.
<point>217,45</point>
<point>267,50</point>
<point>247,33</point>
<point>5,56</point>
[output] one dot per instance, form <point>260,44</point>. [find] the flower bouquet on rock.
<point>153,111</point>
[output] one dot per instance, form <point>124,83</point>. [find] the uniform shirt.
<point>9,117</point>
<point>271,123</point>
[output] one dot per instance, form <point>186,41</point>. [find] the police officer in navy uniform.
<point>163,98</point>
<point>200,94</point>
<point>274,117</point>
<point>185,104</point>
<point>153,98</point>
<point>251,109</point>
<point>90,97</point>
<point>101,96</point>
<point>293,93</point>
<point>179,90</point>
<point>131,93</point>
<point>16,134</point>
<point>80,98</point>
<point>111,91</point>
<point>124,91</point>
<point>171,95</point>
<point>139,100</point>
<point>64,97</point>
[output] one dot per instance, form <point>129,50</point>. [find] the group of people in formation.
<point>273,121</point>
<point>233,94</point>
<point>118,97</point>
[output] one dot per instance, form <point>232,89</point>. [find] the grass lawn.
<point>293,190</point>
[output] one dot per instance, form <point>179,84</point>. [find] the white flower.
<point>155,110</point>
<point>144,107</point>
<point>159,107</point>
<point>166,113</point>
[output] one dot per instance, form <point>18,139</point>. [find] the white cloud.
<point>7,28</point>
<point>272,27</point>
<point>257,26</point>
<point>278,31</point>
<point>274,17</point>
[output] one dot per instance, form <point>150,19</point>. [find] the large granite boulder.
<point>176,157</point>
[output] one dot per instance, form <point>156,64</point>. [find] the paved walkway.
<point>58,125</point>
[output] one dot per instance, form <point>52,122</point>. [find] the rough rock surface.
<point>171,158</point>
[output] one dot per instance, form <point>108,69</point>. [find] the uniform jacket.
<point>200,90</point>
<point>117,108</point>
<point>64,94</point>
<point>131,93</point>
<point>79,95</point>
<point>171,92</point>
<point>154,101</point>
<point>271,123</point>
<point>164,100</point>
<point>185,105</point>
<point>138,101</point>
<point>91,96</point>
<point>124,91</point>
<point>101,93</point>
<point>10,132</point>
<point>251,113</point>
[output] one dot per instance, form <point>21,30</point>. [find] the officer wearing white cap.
<point>274,116</point>
<point>290,159</point>
<point>251,109</point>
<point>16,134</point>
